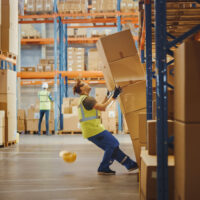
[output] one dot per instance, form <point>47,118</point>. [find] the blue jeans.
<point>106,141</point>
<point>42,112</point>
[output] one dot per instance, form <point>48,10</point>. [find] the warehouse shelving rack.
<point>115,19</point>
<point>165,40</point>
<point>8,63</point>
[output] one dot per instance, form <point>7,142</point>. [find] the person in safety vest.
<point>45,106</point>
<point>92,129</point>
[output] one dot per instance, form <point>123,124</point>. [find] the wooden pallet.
<point>36,132</point>
<point>9,143</point>
<point>63,132</point>
<point>8,54</point>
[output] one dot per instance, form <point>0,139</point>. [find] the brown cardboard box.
<point>32,114</point>
<point>21,125</point>
<point>71,122</point>
<point>127,69</point>
<point>2,118</point>
<point>7,82</point>
<point>21,114</point>
<point>40,68</point>
<point>117,46</point>
<point>66,110</point>
<point>133,123</point>
<point>8,101</point>
<point>30,6</point>
<point>23,69</point>
<point>31,69</point>
<point>148,181</point>
<point>133,97</point>
<point>39,5</point>
<point>187,163</point>
<point>11,127</point>
<point>100,94</point>
<point>151,135</point>
<point>187,79</point>
<point>48,68</point>
<point>2,136</point>
<point>137,150</point>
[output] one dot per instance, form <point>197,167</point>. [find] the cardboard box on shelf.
<point>8,82</point>
<point>71,122</point>
<point>39,5</point>
<point>136,124</point>
<point>30,6</point>
<point>151,136</point>
<point>23,69</point>
<point>48,68</point>
<point>187,78</point>
<point>133,97</point>
<point>31,69</point>
<point>21,114</point>
<point>148,180</point>
<point>40,68</point>
<point>187,160</point>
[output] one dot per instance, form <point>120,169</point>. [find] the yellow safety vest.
<point>89,120</point>
<point>45,103</point>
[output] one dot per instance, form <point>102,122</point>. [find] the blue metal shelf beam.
<point>55,68</point>
<point>161,97</point>
<point>66,61</point>
<point>148,24</point>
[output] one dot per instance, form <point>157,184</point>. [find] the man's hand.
<point>117,91</point>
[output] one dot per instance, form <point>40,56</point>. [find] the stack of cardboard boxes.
<point>72,6</point>
<point>8,103</point>
<point>104,6</point>
<point>39,6</point>
<point>32,119</point>
<point>70,115</point>
<point>21,116</point>
<point>129,6</point>
<point>122,68</point>
<point>76,57</point>
<point>28,31</point>
<point>2,127</point>
<point>9,26</point>
<point>94,61</point>
<point>45,65</point>
<point>187,120</point>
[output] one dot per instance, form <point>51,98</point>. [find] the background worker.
<point>94,131</point>
<point>45,106</point>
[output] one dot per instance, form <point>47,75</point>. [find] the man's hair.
<point>77,87</point>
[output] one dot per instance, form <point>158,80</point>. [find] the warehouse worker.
<point>45,106</point>
<point>92,129</point>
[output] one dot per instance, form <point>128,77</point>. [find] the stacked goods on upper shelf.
<point>45,66</point>
<point>122,67</point>
<point>70,115</point>
<point>32,118</point>
<point>76,32</point>
<point>76,58</point>
<point>9,27</point>
<point>2,127</point>
<point>72,6</point>
<point>187,120</point>
<point>104,6</point>
<point>110,115</point>
<point>39,6</point>
<point>94,61</point>
<point>129,6</point>
<point>28,31</point>
<point>21,116</point>
<point>8,103</point>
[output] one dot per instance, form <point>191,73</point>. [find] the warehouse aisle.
<point>35,171</point>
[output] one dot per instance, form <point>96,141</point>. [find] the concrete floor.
<point>33,170</point>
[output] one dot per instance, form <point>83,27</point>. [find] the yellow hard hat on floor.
<point>68,156</point>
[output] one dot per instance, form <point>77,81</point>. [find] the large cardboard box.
<point>100,94</point>
<point>187,79</point>
<point>21,114</point>
<point>8,103</point>
<point>151,135</point>
<point>7,82</point>
<point>187,164</point>
<point>21,125</point>
<point>148,181</point>
<point>71,122</point>
<point>133,97</point>
<point>11,129</point>
<point>135,123</point>
<point>120,58</point>
<point>2,127</point>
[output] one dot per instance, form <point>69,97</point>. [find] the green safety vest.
<point>45,103</point>
<point>89,120</point>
